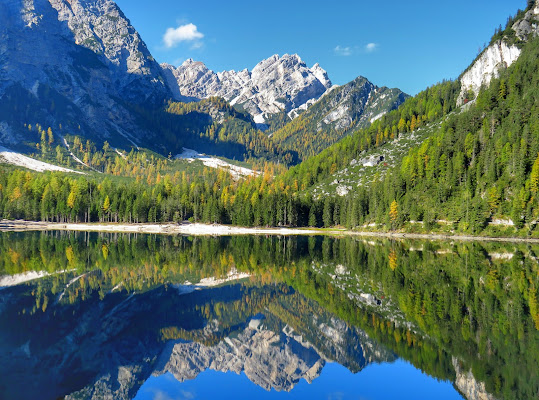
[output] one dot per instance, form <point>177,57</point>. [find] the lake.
<point>133,316</point>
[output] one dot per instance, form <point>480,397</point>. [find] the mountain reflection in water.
<point>109,311</point>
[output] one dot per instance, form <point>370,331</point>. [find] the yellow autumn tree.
<point>392,259</point>
<point>393,211</point>
<point>106,205</point>
<point>534,177</point>
<point>71,199</point>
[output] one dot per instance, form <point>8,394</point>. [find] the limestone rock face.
<point>75,63</point>
<point>275,84</point>
<point>499,55</point>
<point>495,58</point>
<point>468,385</point>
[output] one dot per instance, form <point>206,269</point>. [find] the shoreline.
<point>198,229</point>
<point>194,229</point>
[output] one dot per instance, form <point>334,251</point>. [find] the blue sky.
<point>406,44</point>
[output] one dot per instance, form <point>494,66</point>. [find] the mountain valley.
<point>326,156</point>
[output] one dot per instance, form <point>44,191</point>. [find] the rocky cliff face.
<point>100,26</point>
<point>499,55</point>
<point>466,383</point>
<point>274,85</point>
<point>69,62</point>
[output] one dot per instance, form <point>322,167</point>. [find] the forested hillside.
<point>482,164</point>
<point>214,127</point>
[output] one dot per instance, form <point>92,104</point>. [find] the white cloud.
<point>183,33</point>
<point>187,395</point>
<point>342,51</point>
<point>197,45</point>
<point>369,48</point>
<point>160,395</point>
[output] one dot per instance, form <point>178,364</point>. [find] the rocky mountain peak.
<point>278,83</point>
<point>100,26</point>
<point>192,63</point>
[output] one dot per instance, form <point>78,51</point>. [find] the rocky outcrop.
<point>498,55</point>
<point>528,26</point>
<point>466,383</point>
<point>274,85</point>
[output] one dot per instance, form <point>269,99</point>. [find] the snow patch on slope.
<point>14,158</point>
<point>233,275</point>
<point>18,279</point>
<point>15,280</point>
<point>377,117</point>
<point>212,162</point>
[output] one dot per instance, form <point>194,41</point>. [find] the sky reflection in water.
<point>397,380</point>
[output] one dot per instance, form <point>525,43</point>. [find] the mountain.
<point>77,71</point>
<point>337,113</point>
<point>297,105</point>
<point>274,85</point>
<point>80,68</point>
<point>75,66</point>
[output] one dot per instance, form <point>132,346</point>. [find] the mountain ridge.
<point>81,69</point>
<point>336,114</point>
<point>275,84</point>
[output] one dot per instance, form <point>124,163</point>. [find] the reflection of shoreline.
<point>185,229</point>
<point>198,229</point>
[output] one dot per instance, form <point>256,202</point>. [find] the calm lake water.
<point>120,316</point>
